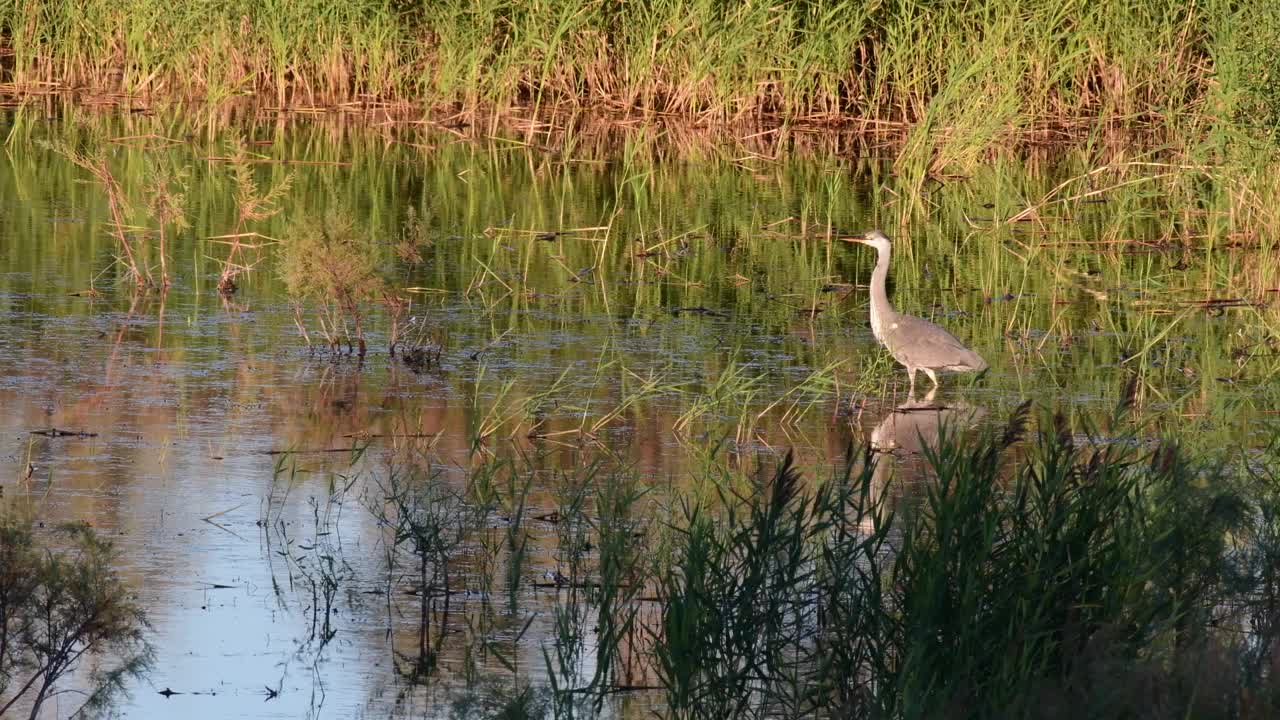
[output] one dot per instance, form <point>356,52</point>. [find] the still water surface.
<point>687,309</point>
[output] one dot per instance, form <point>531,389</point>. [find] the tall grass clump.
<point>332,263</point>
<point>736,600</point>
<point>254,204</point>
<point>130,242</point>
<point>1041,572</point>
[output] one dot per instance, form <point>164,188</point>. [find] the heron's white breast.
<point>878,325</point>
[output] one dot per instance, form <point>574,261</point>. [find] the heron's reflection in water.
<point>902,437</point>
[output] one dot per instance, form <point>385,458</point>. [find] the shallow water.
<point>714,283</point>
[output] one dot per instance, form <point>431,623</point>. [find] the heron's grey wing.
<point>920,343</point>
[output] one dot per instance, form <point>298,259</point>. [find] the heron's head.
<point>874,238</point>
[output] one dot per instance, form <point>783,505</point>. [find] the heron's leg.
<point>911,373</point>
<point>931,375</point>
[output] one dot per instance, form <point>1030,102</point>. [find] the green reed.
<point>1031,575</point>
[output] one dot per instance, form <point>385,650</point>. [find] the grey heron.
<point>914,342</point>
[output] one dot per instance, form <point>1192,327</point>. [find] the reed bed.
<point>954,79</point>
<point>1035,571</point>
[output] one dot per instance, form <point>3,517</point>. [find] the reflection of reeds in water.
<point>431,522</point>
<point>1049,333</point>
<point>1052,217</point>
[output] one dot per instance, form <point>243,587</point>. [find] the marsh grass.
<point>166,201</point>
<point>563,658</point>
<point>622,529</point>
<point>731,599</point>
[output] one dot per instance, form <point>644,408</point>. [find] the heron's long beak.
<point>859,238</point>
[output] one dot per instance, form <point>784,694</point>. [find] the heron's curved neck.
<point>881,310</point>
